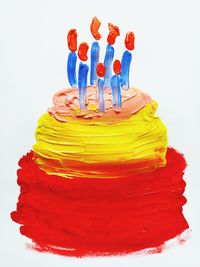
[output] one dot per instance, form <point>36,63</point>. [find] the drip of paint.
<point>125,69</point>
<point>108,62</point>
<point>94,27</point>
<point>71,69</point>
<point>94,57</point>
<point>82,51</point>
<point>82,84</point>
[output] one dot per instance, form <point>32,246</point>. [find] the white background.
<point>166,64</point>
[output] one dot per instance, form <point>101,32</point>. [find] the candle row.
<point>99,70</point>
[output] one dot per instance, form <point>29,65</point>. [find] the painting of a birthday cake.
<point>100,179</point>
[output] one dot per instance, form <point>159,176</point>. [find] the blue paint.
<point>116,91</point>
<point>125,68</point>
<point>101,95</point>
<point>94,57</point>
<point>82,83</point>
<point>108,62</point>
<point>71,69</point>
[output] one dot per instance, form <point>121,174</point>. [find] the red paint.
<point>101,70</point>
<point>101,216</point>
<point>105,170</point>
<point>117,66</point>
<point>82,51</point>
<point>113,33</point>
<point>72,40</point>
<point>129,40</point>
<point>94,28</point>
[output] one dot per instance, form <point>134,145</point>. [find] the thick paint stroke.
<point>142,136</point>
<point>94,28</point>
<point>80,217</point>
<point>82,51</point>
<point>101,95</point>
<point>82,84</point>
<point>72,40</point>
<point>130,41</point>
<point>113,33</point>
<point>108,62</point>
<point>117,66</point>
<point>94,58</point>
<point>116,91</point>
<point>101,70</point>
<point>125,69</point>
<point>71,69</point>
<point>65,104</point>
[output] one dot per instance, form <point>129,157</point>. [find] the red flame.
<point>113,33</point>
<point>94,27</point>
<point>82,51</point>
<point>117,66</point>
<point>101,70</point>
<point>129,40</point>
<point>72,40</point>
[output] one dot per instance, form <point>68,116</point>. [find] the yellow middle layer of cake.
<point>142,136</point>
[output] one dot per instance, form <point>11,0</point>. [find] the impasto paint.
<point>80,217</point>
<point>82,84</point>
<point>100,179</point>
<point>125,69</point>
<point>94,57</point>
<point>72,57</point>
<point>95,50</point>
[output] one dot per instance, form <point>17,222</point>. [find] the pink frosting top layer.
<point>66,104</point>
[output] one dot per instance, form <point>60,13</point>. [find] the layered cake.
<point>100,179</point>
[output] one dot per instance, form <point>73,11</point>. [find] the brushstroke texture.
<point>71,69</point>
<point>82,51</point>
<point>130,41</point>
<point>101,95</point>
<point>142,136</point>
<point>108,62</point>
<point>116,91</point>
<point>113,33</point>
<point>82,84</point>
<point>72,40</point>
<point>94,28</point>
<point>78,217</point>
<point>125,69</point>
<point>66,104</point>
<point>94,57</point>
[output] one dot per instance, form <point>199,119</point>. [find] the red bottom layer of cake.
<point>81,217</point>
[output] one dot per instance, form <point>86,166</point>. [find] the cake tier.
<point>78,217</point>
<point>66,104</point>
<point>140,139</point>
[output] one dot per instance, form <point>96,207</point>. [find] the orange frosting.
<point>66,103</point>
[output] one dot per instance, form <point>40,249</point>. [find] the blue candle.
<point>125,68</point>
<point>116,91</point>
<point>82,83</point>
<point>108,62</point>
<point>101,95</point>
<point>94,57</point>
<point>71,69</point>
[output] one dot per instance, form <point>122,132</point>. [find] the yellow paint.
<point>142,136</point>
